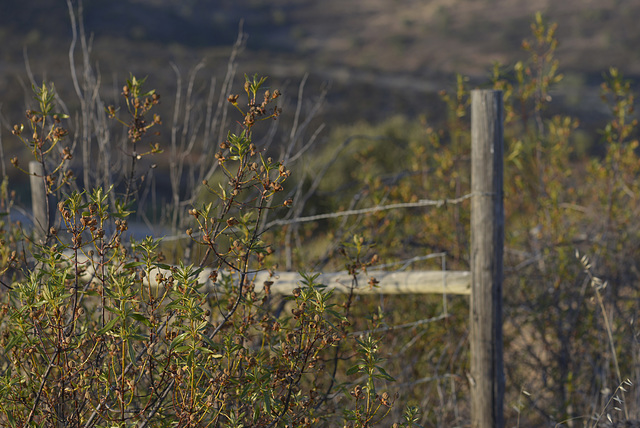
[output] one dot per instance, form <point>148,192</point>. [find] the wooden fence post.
<point>43,206</point>
<point>38,200</point>
<point>487,241</point>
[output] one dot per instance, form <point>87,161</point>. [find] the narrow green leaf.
<point>178,340</point>
<point>267,401</point>
<point>141,318</point>
<point>353,370</point>
<point>133,264</point>
<point>176,304</point>
<point>209,352</point>
<point>14,340</point>
<point>107,327</point>
<point>132,352</point>
<point>384,375</point>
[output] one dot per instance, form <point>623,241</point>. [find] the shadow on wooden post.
<point>487,241</point>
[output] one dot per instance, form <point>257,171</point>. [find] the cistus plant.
<point>97,329</point>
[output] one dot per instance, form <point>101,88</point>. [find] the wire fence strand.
<point>400,326</point>
<point>417,204</point>
<point>337,214</point>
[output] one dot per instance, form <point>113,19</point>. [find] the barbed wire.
<point>427,379</point>
<point>417,204</point>
<point>337,214</point>
<point>397,327</point>
<point>405,263</point>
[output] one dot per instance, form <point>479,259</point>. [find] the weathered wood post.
<point>38,200</point>
<point>43,206</point>
<point>487,240</point>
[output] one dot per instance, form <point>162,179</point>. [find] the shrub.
<point>98,330</point>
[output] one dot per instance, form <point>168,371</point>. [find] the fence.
<point>483,283</point>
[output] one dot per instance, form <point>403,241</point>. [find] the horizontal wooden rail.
<point>412,282</point>
<point>405,282</point>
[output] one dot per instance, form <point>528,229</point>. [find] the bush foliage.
<point>97,328</point>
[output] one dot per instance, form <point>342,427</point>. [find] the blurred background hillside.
<point>376,58</point>
<point>381,56</point>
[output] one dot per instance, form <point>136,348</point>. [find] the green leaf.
<point>384,375</point>
<point>107,327</point>
<point>334,313</point>
<point>209,352</point>
<point>133,264</point>
<point>132,352</point>
<point>176,304</point>
<point>353,370</point>
<point>112,310</point>
<point>202,325</point>
<point>267,401</point>
<point>14,340</point>
<point>208,341</point>
<point>139,337</point>
<point>141,318</point>
<point>178,340</point>
<point>110,293</point>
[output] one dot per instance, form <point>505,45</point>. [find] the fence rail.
<point>386,282</point>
